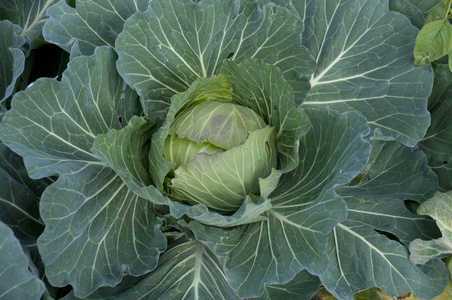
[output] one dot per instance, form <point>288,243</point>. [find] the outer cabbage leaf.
<point>438,207</point>
<point>29,15</point>
<point>16,280</point>
<point>304,210</point>
<point>19,198</point>
<point>174,42</point>
<point>187,270</point>
<point>364,55</point>
<point>437,143</point>
<point>13,58</point>
<point>94,224</point>
<point>89,25</point>
<point>360,251</point>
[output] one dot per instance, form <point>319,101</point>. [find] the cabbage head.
<point>208,143</point>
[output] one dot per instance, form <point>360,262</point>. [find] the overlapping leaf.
<point>188,270</point>
<point>361,256</point>
<point>425,6</point>
<point>94,224</point>
<point>90,24</point>
<point>13,58</point>
<point>305,209</point>
<point>365,63</point>
<point>411,11</point>
<point>16,280</point>
<point>19,198</point>
<point>163,50</point>
<point>437,143</point>
<point>438,207</point>
<point>30,15</point>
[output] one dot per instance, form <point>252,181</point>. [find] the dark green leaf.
<point>16,280</point>
<point>13,58</point>
<point>366,250</point>
<point>408,9</point>
<point>188,270</point>
<point>361,258</point>
<point>437,143</point>
<point>19,198</point>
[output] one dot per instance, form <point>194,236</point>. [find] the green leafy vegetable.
<point>224,149</point>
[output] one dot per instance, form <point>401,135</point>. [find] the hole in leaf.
<point>230,55</point>
<point>444,162</point>
<point>120,119</point>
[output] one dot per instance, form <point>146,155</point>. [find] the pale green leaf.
<point>365,63</point>
<point>16,280</point>
<point>90,24</point>
<point>222,180</point>
<point>262,87</point>
<point>435,38</point>
<point>30,15</point>
<point>439,207</point>
<point>163,50</point>
<point>437,143</point>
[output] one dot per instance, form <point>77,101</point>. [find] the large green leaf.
<point>305,209</point>
<point>90,24</point>
<point>19,198</point>
<point>437,143</point>
<point>30,15</point>
<point>361,258</point>
<point>16,279</point>
<point>94,224</point>
<point>364,55</point>
<point>438,207</point>
<point>13,58</point>
<point>364,250</point>
<point>163,50</point>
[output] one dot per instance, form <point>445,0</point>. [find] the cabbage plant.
<point>216,149</point>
